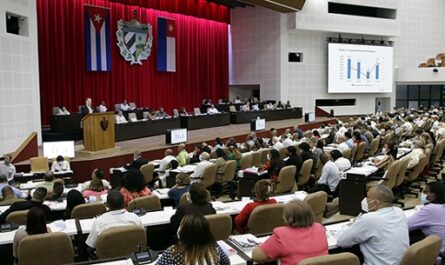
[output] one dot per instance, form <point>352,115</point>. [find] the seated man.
<point>212,110</point>
<point>199,171</point>
<point>7,168</point>
<point>48,182</point>
<point>120,118</point>
<point>87,108</point>
<point>165,162</point>
<point>99,173</point>
<point>182,155</point>
<point>382,233</point>
<point>161,114</point>
<point>4,183</point>
<point>60,164</point>
<point>138,161</point>
<point>37,200</point>
<point>255,107</point>
<point>330,176</point>
<point>124,106</point>
<point>102,107</point>
<point>116,216</point>
<point>9,197</point>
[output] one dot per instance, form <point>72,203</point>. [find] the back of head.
<point>168,152</point>
<point>7,191</point>
<point>182,179</point>
<point>262,190</point>
<point>198,194</point>
<point>304,146</point>
<point>274,154</point>
<point>115,200</point>
<point>196,241</point>
<point>291,150</point>
<point>36,221</point>
<point>204,156</point>
<point>74,198</point>
<point>39,194</point>
<point>99,173</point>
<point>49,176</point>
<point>134,181</point>
<point>336,154</point>
<point>438,188</point>
<point>383,194</point>
<point>220,153</point>
<point>324,158</point>
<point>298,214</point>
<point>96,184</point>
<point>58,189</point>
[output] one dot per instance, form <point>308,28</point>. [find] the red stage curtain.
<point>197,8</point>
<point>201,61</point>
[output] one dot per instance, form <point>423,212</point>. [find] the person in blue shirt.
<point>4,182</point>
<point>182,186</point>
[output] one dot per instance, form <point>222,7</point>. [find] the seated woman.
<point>134,186</point>
<point>273,165</point>
<point>301,238</point>
<point>35,224</point>
<point>182,186</point>
<point>73,198</point>
<point>95,189</point>
<point>196,245</point>
<point>262,192</point>
<point>430,219</point>
<point>199,204</point>
<point>318,150</point>
<point>390,155</point>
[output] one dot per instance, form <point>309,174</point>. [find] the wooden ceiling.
<point>282,6</point>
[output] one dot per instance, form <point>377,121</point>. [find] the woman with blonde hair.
<point>196,245</point>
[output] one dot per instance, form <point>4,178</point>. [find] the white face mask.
<point>268,157</point>
<point>365,206</point>
<point>178,232</point>
<point>423,199</point>
<point>384,150</point>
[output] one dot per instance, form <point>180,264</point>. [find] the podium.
<point>98,131</point>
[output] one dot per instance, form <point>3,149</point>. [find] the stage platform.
<point>153,147</point>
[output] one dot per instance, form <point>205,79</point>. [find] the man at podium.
<point>87,108</point>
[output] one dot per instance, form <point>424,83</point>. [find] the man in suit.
<point>87,108</point>
<point>138,161</point>
<point>294,160</point>
<point>37,200</point>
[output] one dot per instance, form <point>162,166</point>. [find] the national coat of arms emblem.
<point>134,40</point>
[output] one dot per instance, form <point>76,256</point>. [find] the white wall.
<point>255,50</point>
<point>417,34</point>
<point>19,78</point>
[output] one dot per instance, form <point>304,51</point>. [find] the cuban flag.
<point>97,37</point>
<point>166,44</point>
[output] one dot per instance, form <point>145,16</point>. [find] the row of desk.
<point>146,128</point>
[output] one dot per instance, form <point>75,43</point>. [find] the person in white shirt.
<point>7,168</point>
<point>102,107</point>
<point>342,145</point>
<point>269,106</point>
<point>245,107</point>
<point>287,141</point>
<point>60,164</point>
<point>237,100</point>
<point>120,118</point>
<point>124,106</point>
<point>277,144</point>
<point>330,177</point>
<point>62,110</point>
<point>197,175</point>
<point>414,156</point>
<point>98,173</point>
<point>165,162</point>
<point>342,163</point>
<point>255,107</point>
<point>115,217</point>
<point>212,110</point>
<point>340,132</point>
<point>382,233</point>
